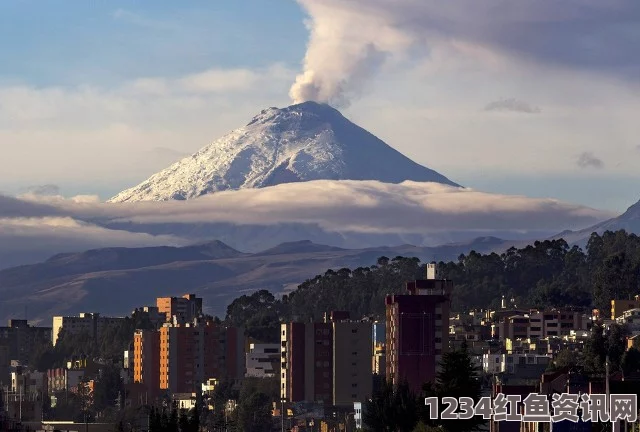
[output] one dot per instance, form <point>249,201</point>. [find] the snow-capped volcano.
<point>303,142</point>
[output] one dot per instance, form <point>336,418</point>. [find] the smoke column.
<point>350,39</point>
<point>345,49</point>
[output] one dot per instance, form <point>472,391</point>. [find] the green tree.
<point>456,378</point>
<point>391,409</point>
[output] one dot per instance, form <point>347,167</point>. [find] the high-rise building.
<point>417,330</point>
<point>352,350</point>
<point>326,362</point>
<point>21,339</point>
<point>90,323</point>
<point>146,360</point>
<point>180,358</point>
<point>185,308</point>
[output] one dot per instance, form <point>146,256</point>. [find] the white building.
<point>631,318</point>
<point>185,401</point>
<point>491,363</point>
<point>262,360</point>
<point>91,323</point>
<point>508,363</point>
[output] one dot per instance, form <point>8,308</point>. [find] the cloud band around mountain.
<point>48,225</point>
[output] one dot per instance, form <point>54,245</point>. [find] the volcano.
<point>303,142</point>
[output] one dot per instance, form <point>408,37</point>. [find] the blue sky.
<point>64,43</point>
<point>95,96</point>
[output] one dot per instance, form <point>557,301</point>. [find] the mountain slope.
<point>115,281</point>
<point>628,221</point>
<point>303,142</point>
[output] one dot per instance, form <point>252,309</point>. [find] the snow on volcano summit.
<point>303,142</point>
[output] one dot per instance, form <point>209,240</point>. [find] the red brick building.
<point>417,330</point>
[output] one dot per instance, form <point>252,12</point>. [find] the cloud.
<point>349,38</point>
<point>39,226</point>
<point>589,160</point>
<point>48,189</point>
<point>363,206</point>
<point>215,80</point>
<point>168,153</point>
<point>26,240</point>
<point>100,136</point>
<point>513,105</point>
<point>142,21</point>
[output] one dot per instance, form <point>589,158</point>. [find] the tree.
<point>254,413</point>
<point>260,315</point>
<point>108,387</point>
<point>565,359</point>
<point>391,409</point>
<point>457,377</point>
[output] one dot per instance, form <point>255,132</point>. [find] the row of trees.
<point>546,274</point>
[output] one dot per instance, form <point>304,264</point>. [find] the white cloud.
<point>139,20</point>
<point>86,133</point>
<point>27,240</point>
<point>361,206</point>
<point>349,39</point>
<point>39,226</point>
<point>513,105</point>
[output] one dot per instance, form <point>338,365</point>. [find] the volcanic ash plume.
<point>344,50</point>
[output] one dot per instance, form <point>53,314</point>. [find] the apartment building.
<point>417,330</point>
<point>541,325</point>
<point>263,360</point>
<point>630,318</point>
<point>327,362</point>
<point>21,339</point>
<point>90,323</point>
<point>307,362</point>
<point>185,308</point>
<point>146,360</point>
<point>27,382</point>
<point>180,358</point>
<point>352,378</point>
<point>618,306</point>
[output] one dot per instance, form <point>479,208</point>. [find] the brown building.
<point>185,308</point>
<point>146,360</point>
<point>417,330</point>
<point>541,324</point>
<point>352,353</point>
<point>180,358</point>
<point>327,362</point>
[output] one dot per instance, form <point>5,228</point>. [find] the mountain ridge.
<point>628,221</point>
<point>62,286</point>
<point>308,141</point>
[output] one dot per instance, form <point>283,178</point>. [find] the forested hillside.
<point>548,273</point>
